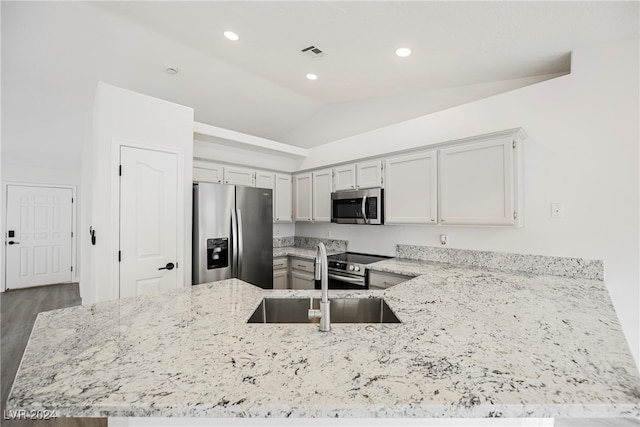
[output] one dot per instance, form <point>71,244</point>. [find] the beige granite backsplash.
<point>309,243</point>
<point>577,268</point>
<point>282,241</point>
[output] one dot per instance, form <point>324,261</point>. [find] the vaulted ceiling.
<point>53,54</point>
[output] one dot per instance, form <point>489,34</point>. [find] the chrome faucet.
<point>324,314</point>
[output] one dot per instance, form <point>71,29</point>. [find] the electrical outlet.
<point>444,239</point>
<point>557,210</point>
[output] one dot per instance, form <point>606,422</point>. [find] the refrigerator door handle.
<point>234,244</point>
<point>239,242</point>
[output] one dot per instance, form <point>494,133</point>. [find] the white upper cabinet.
<point>322,187</point>
<point>369,174</point>
<point>265,179</point>
<point>234,175</point>
<point>344,177</point>
<point>303,200</point>
<point>410,193</point>
<point>282,198</point>
<point>358,175</point>
<point>208,172</point>
<point>478,183</point>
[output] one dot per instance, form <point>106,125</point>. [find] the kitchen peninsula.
<point>473,342</point>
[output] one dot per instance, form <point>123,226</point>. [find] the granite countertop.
<point>300,252</point>
<point>472,343</point>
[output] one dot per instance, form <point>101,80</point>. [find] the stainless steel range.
<point>348,270</point>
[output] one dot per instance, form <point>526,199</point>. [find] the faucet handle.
<point>314,313</point>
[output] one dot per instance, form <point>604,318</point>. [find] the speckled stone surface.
<point>298,252</point>
<point>312,242</point>
<point>536,264</point>
<point>472,343</point>
<point>282,241</point>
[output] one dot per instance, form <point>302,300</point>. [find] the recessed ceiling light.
<point>172,70</point>
<point>231,35</point>
<point>312,76</point>
<point>403,52</point>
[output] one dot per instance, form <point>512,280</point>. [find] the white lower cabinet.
<point>383,280</point>
<point>281,273</point>
<point>478,183</point>
<point>411,189</point>
<point>302,273</point>
<point>280,279</point>
<point>301,280</point>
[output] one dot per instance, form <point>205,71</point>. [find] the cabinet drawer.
<point>302,264</point>
<point>280,263</point>
<point>379,280</point>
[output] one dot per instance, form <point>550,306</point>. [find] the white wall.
<point>120,115</point>
<point>351,118</point>
<point>582,150</point>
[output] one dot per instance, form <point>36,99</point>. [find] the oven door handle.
<point>347,279</point>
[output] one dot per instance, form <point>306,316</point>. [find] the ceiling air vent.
<point>313,51</point>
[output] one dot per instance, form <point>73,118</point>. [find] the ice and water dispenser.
<point>217,253</point>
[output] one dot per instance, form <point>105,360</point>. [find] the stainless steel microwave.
<point>358,207</point>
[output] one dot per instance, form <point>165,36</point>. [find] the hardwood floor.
<point>19,309</point>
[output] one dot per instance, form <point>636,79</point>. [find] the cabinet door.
<point>477,183</point>
<point>344,177</point>
<point>410,193</point>
<point>265,179</point>
<point>301,280</point>
<point>322,185</point>
<point>381,280</point>
<point>280,279</point>
<point>369,174</point>
<point>239,176</point>
<point>303,197</point>
<point>208,174</point>
<point>282,198</point>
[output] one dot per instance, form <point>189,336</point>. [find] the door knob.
<point>11,242</point>
<point>169,266</point>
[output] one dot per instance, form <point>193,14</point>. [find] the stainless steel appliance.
<point>358,207</point>
<point>348,270</point>
<point>232,234</point>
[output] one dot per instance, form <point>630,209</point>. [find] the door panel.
<point>212,206</point>
<point>41,218</point>
<point>255,213</point>
<point>148,221</point>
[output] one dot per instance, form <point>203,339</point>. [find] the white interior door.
<point>38,238</point>
<point>148,221</point>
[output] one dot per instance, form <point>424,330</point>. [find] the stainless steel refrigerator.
<point>232,234</point>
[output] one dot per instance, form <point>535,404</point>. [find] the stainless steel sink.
<point>343,310</point>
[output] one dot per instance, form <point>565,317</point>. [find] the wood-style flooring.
<point>19,309</point>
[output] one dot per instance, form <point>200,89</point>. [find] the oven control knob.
<point>357,268</point>
<point>351,267</point>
